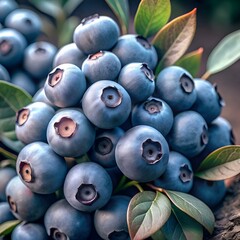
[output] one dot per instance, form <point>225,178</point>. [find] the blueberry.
<point>155,113</point>
<point>96,33</point>
<point>5,213</point>
<point>210,192</point>
<point>25,204</point>
<point>4,74</point>
<point>26,22</point>
<point>103,149</point>
<point>69,53</point>
<point>179,174</point>
<point>40,96</point>
<point>209,102</point>
<point>40,168</point>
<point>29,231</point>
<point>65,85</point>
<point>32,121</point>
<point>138,80</point>
<point>142,153</point>
<point>21,79</point>
<point>38,59</point>
<point>69,133</point>
<point>106,104</point>
<point>219,134</point>
<point>189,134</point>
<point>134,48</point>
<point>6,7</point>
<point>62,221</point>
<point>111,221</point>
<point>175,86</point>
<point>100,66</point>
<point>87,186</point>
<point>12,47</point>
<point>6,174</point>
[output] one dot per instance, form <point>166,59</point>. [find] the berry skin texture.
<point>103,149</point>
<point>189,134</point>
<point>142,153</point>
<point>32,122</point>
<point>69,53</point>
<point>6,174</point>
<point>65,85</point>
<point>12,47</point>
<point>5,213</point>
<point>40,168</point>
<point>111,221</point>
<point>134,48</point>
<point>6,7</point>
<point>179,174</point>
<point>96,33</point>
<point>87,186</point>
<point>106,104</point>
<point>26,22</point>
<point>38,59</point>
<point>62,221</point>
<point>138,80</point>
<point>70,133</point>
<point>100,66</point>
<point>155,113</point>
<point>175,86</point>
<point>209,102</point>
<point>210,192</point>
<point>29,231</point>
<point>25,204</point>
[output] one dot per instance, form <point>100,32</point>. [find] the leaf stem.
<point>135,184</point>
<point>206,75</point>
<point>7,154</point>
<point>154,187</point>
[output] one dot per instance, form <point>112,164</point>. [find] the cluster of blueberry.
<point>24,60</point>
<point>102,101</point>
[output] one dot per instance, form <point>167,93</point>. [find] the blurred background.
<point>215,20</point>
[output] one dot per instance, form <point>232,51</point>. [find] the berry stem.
<point>206,75</point>
<point>154,187</point>
<point>7,154</point>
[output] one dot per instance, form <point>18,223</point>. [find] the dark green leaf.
<point>121,10</point>
<point>66,33</point>
<point>71,5</point>
<point>193,207</point>
<point>225,53</point>
<point>221,164</point>
<point>7,227</point>
<point>191,62</point>
<point>174,38</point>
<point>147,213</point>
<point>158,236</point>
<point>151,16</point>
<point>12,99</point>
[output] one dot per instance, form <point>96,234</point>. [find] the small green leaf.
<point>225,53</point>
<point>71,5</point>
<point>147,213</point>
<point>7,227</point>
<point>191,62</point>
<point>151,16</point>
<point>221,164</point>
<point>121,10</point>
<point>66,33</point>
<point>12,99</point>
<point>193,207</point>
<point>172,41</point>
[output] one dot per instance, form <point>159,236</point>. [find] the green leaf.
<point>71,5</point>
<point>225,53</point>
<point>172,41</point>
<point>158,236</point>
<point>12,99</point>
<point>151,16</point>
<point>193,207</point>
<point>66,33</point>
<point>7,227</point>
<point>191,62</point>
<point>147,213</point>
<point>121,10</point>
<point>221,164</point>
